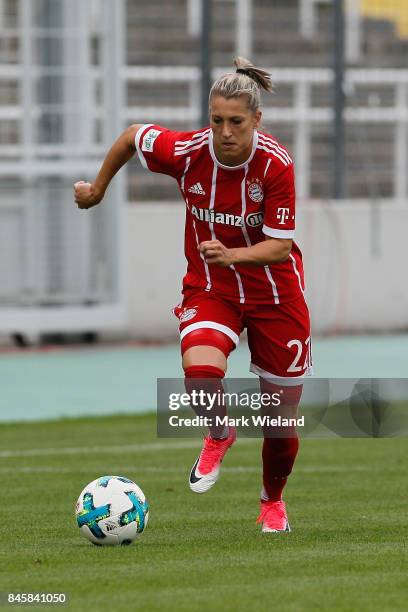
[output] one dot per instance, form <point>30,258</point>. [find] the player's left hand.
<point>215,252</point>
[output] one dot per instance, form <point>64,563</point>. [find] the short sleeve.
<point>155,148</point>
<point>279,204</point>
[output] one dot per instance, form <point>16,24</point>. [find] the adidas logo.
<point>197,188</point>
<point>110,526</point>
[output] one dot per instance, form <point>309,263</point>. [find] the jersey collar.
<point>218,163</point>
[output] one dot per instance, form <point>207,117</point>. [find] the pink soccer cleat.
<point>273,517</point>
<point>205,471</point>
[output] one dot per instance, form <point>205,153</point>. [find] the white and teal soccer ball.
<point>112,510</point>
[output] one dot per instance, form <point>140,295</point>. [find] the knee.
<point>208,337</point>
<point>206,346</point>
<point>203,371</point>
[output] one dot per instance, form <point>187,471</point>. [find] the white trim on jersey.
<point>275,153</point>
<point>212,200</point>
<point>191,148</point>
<point>206,268</point>
<point>243,208</point>
<point>240,285</point>
<point>284,381</point>
<point>267,166</point>
<point>210,223</point>
<point>275,144</point>
<point>210,325</point>
<point>296,271</point>
<point>278,233</point>
<point>274,287</point>
<point>215,160</point>
<point>184,144</point>
<point>247,239</point>
<point>137,144</point>
<point>186,167</point>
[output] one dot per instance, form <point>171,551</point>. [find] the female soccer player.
<point>244,270</point>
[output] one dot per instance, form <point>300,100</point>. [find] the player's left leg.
<point>279,340</point>
<point>279,451</point>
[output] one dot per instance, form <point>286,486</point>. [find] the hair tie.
<point>242,71</point>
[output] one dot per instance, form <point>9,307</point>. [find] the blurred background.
<point>75,73</point>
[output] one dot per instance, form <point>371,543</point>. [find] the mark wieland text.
<point>257,420</point>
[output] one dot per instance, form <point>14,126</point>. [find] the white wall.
<point>355,256</point>
<point>155,266</point>
<point>356,264</point>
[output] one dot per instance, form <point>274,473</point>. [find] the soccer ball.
<point>112,510</point>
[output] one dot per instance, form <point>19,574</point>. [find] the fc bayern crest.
<point>255,190</point>
<point>187,314</point>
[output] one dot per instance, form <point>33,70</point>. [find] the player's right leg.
<point>205,345</point>
<point>204,368</point>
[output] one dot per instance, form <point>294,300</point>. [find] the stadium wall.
<point>354,254</point>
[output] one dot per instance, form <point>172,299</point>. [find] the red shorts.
<point>278,334</point>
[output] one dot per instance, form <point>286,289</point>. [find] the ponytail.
<point>248,80</point>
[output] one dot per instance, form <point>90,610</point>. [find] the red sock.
<point>212,384</point>
<point>278,457</point>
<point>279,452</point>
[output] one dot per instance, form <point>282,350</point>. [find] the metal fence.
<point>58,63</point>
<point>73,73</point>
<point>376,116</point>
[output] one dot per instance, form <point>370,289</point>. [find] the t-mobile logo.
<point>282,215</point>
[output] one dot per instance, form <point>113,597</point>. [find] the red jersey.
<point>237,205</point>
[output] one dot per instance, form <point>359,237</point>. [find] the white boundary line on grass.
<point>88,450</point>
<point>166,470</point>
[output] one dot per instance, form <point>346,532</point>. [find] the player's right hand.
<point>86,195</point>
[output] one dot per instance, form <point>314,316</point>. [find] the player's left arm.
<point>270,251</point>
<point>278,227</point>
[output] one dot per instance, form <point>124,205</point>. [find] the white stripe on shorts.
<point>284,381</point>
<point>210,325</point>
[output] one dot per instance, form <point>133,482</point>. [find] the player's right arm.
<point>90,194</point>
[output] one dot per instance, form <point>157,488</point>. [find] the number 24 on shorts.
<point>301,349</point>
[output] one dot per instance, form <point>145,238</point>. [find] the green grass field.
<point>347,502</point>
